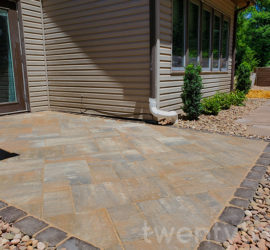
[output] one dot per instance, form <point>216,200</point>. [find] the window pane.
<point>193,34</point>
<point>225,47</point>
<point>178,34</point>
<point>216,37</point>
<point>7,80</point>
<point>206,31</point>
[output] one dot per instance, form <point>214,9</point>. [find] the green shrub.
<point>211,105</point>
<point>191,92</point>
<point>220,101</point>
<point>238,98</point>
<point>243,77</point>
<point>224,100</point>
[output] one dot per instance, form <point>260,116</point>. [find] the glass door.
<point>12,96</point>
<point>7,79</point>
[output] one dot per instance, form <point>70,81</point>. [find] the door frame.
<point>19,60</point>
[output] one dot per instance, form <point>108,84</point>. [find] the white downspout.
<point>159,115</point>
<point>170,116</point>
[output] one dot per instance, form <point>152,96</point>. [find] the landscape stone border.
<point>221,133</point>
<point>41,230</point>
<point>226,226</point>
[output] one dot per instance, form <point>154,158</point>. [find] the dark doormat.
<point>5,155</point>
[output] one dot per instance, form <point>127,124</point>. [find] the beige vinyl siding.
<point>98,56</point>
<point>171,84</point>
<point>35,54</point>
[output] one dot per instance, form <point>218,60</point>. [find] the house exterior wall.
<point>93,57</point>
<point>32,23</point>
<point>98,56</point>
<point>170,84</point>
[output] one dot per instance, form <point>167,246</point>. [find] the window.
<point>206,39</point>
<point>200,36</point>
<point>225,46</point>
<point>193,33</point>
<point>216,42</point>
<point>178,35</point>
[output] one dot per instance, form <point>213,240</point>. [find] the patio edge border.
<point>225,227</point>
<point>16,217</point>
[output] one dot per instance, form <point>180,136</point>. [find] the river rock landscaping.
<point>254,232</point>
<point>225,121</point>
<point>12,238</point>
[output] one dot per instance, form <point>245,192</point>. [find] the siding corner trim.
<point>157,114</point>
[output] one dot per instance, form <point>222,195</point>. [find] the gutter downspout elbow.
<point>159,115</point>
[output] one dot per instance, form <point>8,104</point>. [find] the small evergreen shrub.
<point>191,92</point>
<point>243,77</point>
<point>238,98</point>
<point>211,105</point>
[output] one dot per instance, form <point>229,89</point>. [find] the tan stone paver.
<point>258,121</point>
<point>104,180</point>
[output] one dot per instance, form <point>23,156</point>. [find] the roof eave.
<point>243,3</point>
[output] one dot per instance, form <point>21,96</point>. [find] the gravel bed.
<point>225,121</point>
<point>12,238</point>
<point>254,232</point>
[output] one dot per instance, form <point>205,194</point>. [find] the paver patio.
<point>104,180</point>
<point>258,121</point>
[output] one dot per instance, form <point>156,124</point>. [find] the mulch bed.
<point>225,121</point>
